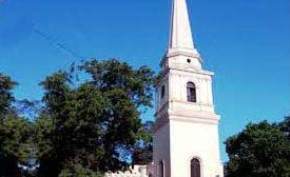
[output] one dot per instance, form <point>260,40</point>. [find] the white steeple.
<point>180,34</point>
<point>180,39</point>
<point>186,140</point>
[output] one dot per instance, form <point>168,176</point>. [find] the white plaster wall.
<point>178,94</point>
<point>192,130</point>
<point>137,171</point>
<point>177,86</point>
<point>161,149</point>
<point>181,61</point>
<point>191,139</point>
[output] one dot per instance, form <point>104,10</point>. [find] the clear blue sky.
<point>246,43</point>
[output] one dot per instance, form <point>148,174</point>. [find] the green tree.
<point>143,149</point>
<point>76,170</point>
<point>15,133</point>
<point>285,127</point>
<point>91,125</point>
<point>261,150</point>
<point>6,97</point>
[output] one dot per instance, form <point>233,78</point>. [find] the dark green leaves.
<point>137,84</point>
<point>93,125</point>
<point>261,150</point>
<point>285,127</point>
<point>143,148</point>
<point>6,97</point>
<point>15,133</point>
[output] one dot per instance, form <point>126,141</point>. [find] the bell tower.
<point>186,140</point>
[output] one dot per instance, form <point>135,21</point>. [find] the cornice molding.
<point>201,119</point>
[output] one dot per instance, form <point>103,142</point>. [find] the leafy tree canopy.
<point>15,132</point>
<point>78,171</point>
<point>93,124</point>
<point>6,97</point>
<point>285,127</point>
<point>143,149</point>
<point>261,150</point>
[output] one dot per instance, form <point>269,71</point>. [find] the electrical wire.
<point>57,44</point>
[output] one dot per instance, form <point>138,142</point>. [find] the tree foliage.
<point>285,127</point>
<point>6,97</point>
<point>76,170</point>
<point>94,124</point>
<point>261,150</point>
<point>143,149</point>
<point>15,133</point>
<point>88,126</point>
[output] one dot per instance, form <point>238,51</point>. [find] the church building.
<point>186,138</point>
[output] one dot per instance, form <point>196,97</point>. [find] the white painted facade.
<point>136,171</point>
<point>185,130</point>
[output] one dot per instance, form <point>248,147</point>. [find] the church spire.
<point>180,40</point>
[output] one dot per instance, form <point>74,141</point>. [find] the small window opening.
<point>191,92</point>
<point>162,91</point>
<point>188,60</point>
<point>161,169</point>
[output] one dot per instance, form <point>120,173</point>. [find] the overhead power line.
<point>58,44</point>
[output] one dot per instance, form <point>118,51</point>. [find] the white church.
<point>186,137</point>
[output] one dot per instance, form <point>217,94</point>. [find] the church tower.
<point>186,140</point>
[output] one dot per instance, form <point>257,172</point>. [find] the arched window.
<point>161,169</point>
<point>195,168</point>
<point>191,92</point>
